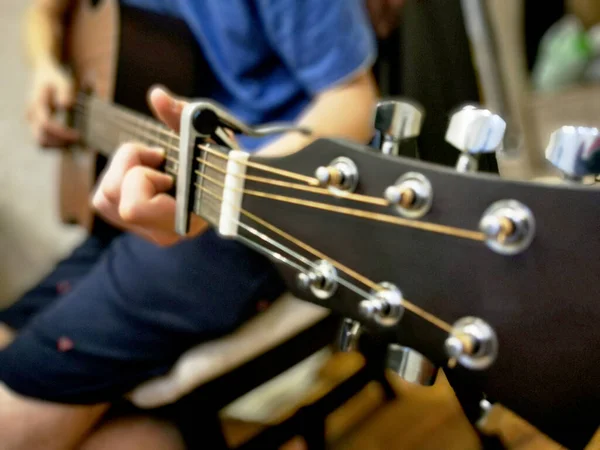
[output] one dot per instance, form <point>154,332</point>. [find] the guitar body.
<point>117,53</point>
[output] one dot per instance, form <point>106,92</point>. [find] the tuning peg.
<point>575,151</point>
<point>397,123</point>
<point>349,335</point>
<point>320,280</point>
<point>472,343</point>
<point>340,176</point>
<point>473,131</point>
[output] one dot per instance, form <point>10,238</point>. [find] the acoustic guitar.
<point>494,280</point>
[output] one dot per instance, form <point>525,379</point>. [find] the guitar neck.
<point>105,126</point>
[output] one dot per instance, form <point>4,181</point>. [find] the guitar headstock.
<point>501,276</point>
<point>493,279</point>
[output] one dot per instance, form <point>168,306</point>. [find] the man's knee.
<point>133,433</point>
<point>28,424</point>
<point>6,335</point>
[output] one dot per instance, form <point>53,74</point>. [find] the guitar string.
<point>317,190</point>
<point>290,252</point>
<point>300,187</point>
<point>153,127</point>
<point>137,132</point>
<point>415,309</point>
<point>425,226</point>
<point>127,116</point>
<point>364,280</point>
<point>294,254</point>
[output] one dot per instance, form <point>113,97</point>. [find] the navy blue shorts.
<point>130,315</point>
<point>66,274</point>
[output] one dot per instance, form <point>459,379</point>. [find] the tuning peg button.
<point>508,227</point>
<point>474,131</point>
<point>412,195</point>
<point>320,279</point>
<point>396,121</point>
<point>472,343</point>
<point>384,307</point>
<point>340,176</point>
<point>575,151</point>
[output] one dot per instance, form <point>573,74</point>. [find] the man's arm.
<point>52,87</point>
<point>343,111</point>
<point>44,31</point>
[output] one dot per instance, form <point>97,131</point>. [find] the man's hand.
<point>52,89</point>
<point>132,193</point>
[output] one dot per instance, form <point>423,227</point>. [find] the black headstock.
<point>539,295</point>
<point>491,279</point>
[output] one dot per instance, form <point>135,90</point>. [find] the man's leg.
<point>135,433</point>
<point>127,321</point>
<point>65,275</point>
<point>32,424</point>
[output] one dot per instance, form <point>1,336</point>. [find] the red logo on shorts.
<point>64,344</point>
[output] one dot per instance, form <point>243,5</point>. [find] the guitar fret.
<point>206,205</point>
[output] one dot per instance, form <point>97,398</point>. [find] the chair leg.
<point>490,442</point>
<point>200,427</point>
<point>315,437</point>
<point>375,353</point>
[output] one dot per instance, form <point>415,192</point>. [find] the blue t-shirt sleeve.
<point>323,42</point>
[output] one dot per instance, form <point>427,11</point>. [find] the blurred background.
<point>31,237</point>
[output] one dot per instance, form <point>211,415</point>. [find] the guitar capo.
<point>207,120</point>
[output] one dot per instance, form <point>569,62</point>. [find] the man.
<point>141,306</point>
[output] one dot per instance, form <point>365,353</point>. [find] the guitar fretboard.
<point>105,126</point>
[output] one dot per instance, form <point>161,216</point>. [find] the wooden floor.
<point>423,418</point>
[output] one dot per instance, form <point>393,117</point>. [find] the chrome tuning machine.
<point>575,151</point>
<point>349,335</point>
<point>473,131</point>
<point>508,227</point>
<point>472,343</point>
<point>384,307</point>
<point>410,365</point>
<point>320,280</point>
<point>397,123</point>
<point>340,176</point>
<point>412,195</point>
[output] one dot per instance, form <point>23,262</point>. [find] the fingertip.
<point>159,151</point>
<point>155,91</point>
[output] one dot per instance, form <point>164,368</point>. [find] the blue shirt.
<point>271,57</point>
